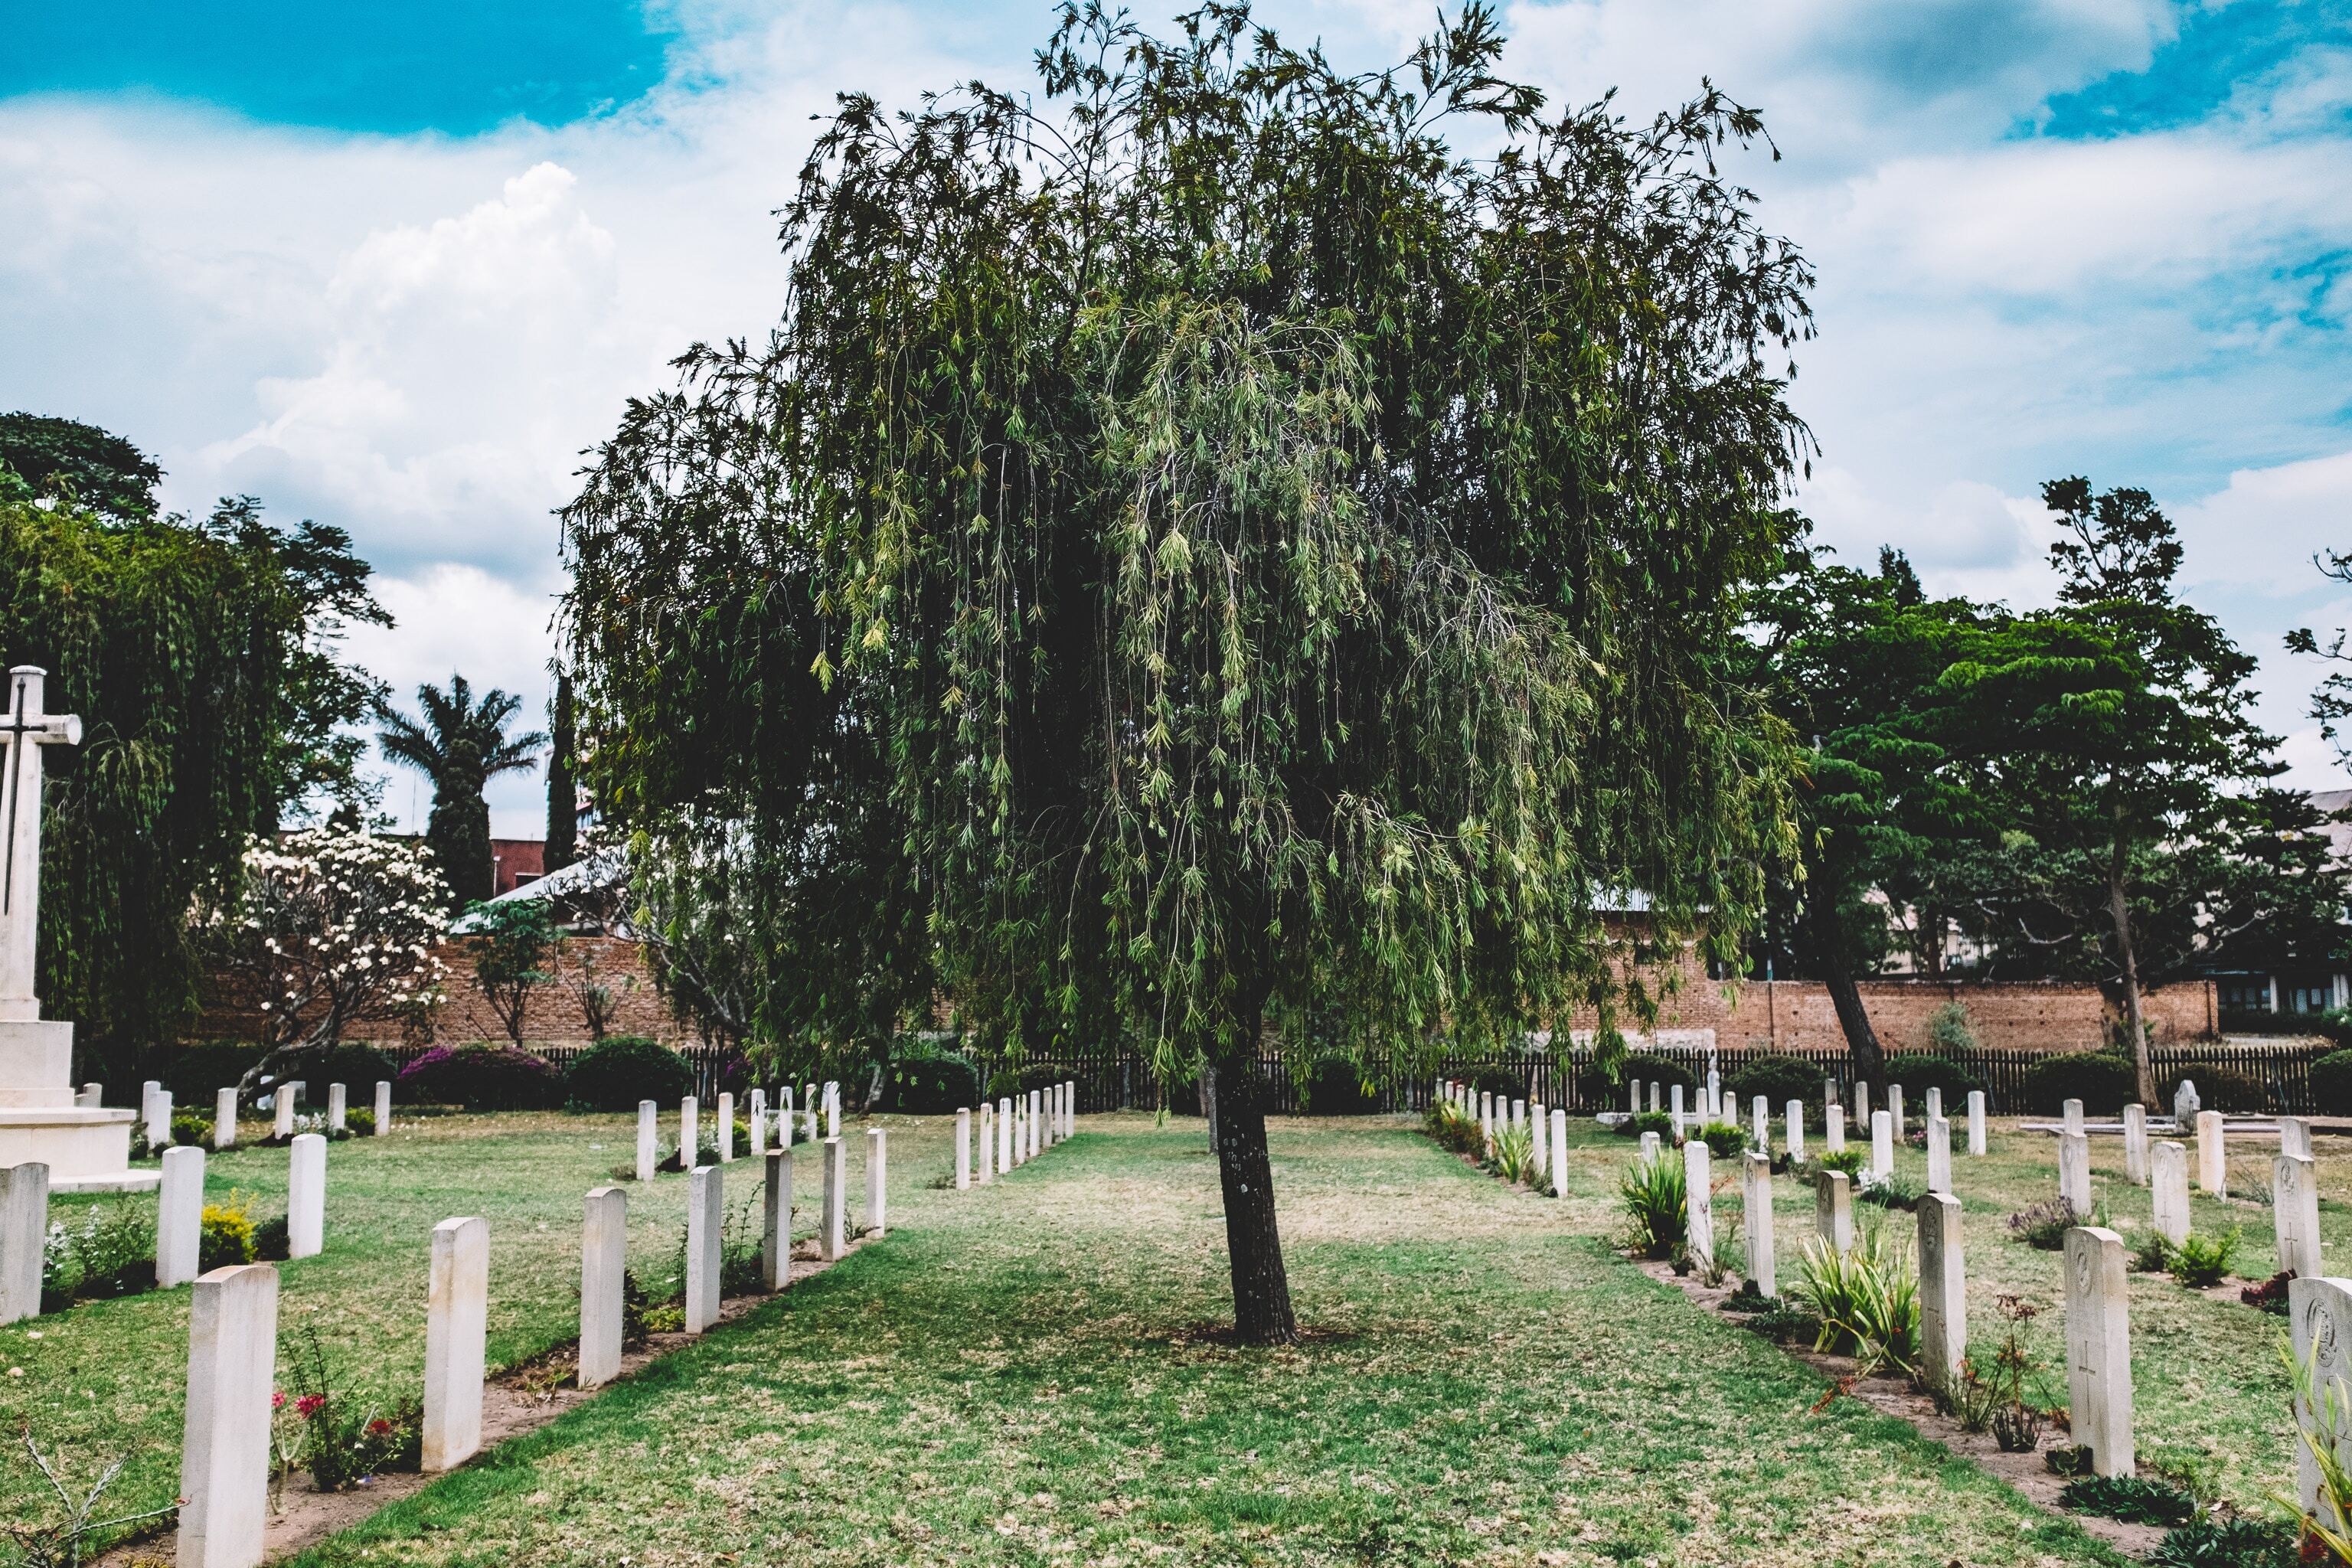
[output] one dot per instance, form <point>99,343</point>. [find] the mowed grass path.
<point>1030,1373</point>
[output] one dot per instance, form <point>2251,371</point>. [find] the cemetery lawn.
<point>107,1380</point>
<point>1035,1371</point>
<point>2210,1393</point>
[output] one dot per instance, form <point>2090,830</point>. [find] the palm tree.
<point>461,744</point>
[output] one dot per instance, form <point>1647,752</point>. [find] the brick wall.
<point>552,1018</point>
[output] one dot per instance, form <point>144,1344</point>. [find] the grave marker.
<point>1756,1193</point>
<point>964,1148</point>
<point>706,1224</point>
<point>306,1197</point>
<point>776,1222</point>
<point>2212,1158</point>
<point>383,1106</point>
<point>1939,1155</point>
<point>1834,1210</point>
<point>1882,1144</point>
<point>689,1133</point>
<point>1943,1289</point>
<point>225,1446</point>
<point>1654,1097</point>
<point>2074,1173</point>
<point>1650,1146</point>
<point>225,1119</point>
<point>648,1145</point>
<point>603,1268</point>
<point>1894,1107</point>
<point>2169,1168</point>
<point>759,1124</point>
<point>1674,1107</point>
<point>2294,1212</point>
<point>159,1117</point>
<point>2295,1136</point>
<point>337,1109</point>
<point>2098,1348</point>
<point>832,1109</point>
<point>1976,1121</point>
<point>1004,1134</point>
<point>24,1232</point>
<point>1699,1202</point>
<point>987,1143</point>
<point>2071,1112</point>
<point>877,1181</point>
<point>1760,1112</point>
<point>726,1128</point>
<point>833,1237</point>
<point>2320,1314</point>
<point>1539,1136</point>
<point>1559,1154</point>
<point>2185,1103</point>
<point>1833,1129</point>
<point>457,1318</point>
<point>2135,1144</point>
<point>1796,1129</point>
<point>281,1111</point>
<point>1935,1102</point>
<point>180,1215</point>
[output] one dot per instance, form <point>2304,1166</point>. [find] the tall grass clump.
<point>1867,1301</point>
<point>1654,1197</point>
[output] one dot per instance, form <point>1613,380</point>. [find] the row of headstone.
<point>156,1109</point>
<point>2164,1168</point>
<point>1013,1132</point>
<point>1547,1127</point>
<point>233,1337</point>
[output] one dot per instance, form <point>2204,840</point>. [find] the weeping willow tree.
<point>200,657</point>
<point>1203,555</point>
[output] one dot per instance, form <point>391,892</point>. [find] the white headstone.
<point>1935,1102</point>
<point>338,1107</point>
<point>832,1109</point>
<point>306,1197</point>
<point>603,1270</point>
<point>1650,1146</point>
<point>225,1119</point>
<point>964,1148</point>
<point>225,1445</point>
<point>2212,1158</point>
<point>159,1118</point>
<point>1675,1105</point>
<point>1894,1107</point>
<point>92,1097</point>
<point>1655,1091</point>
<point>1519,1113</point>
<point>2098,1348</point>
<point>1882,1144</point>
<point>2169,1170</point>
<point>24,1233</point>
<point>877,1181</point>
<point>1004,1134</point>
<point>180,1215</point>
<point>281,1111</point>
<point>1939,1155</point>
<point>1034,1119</point>
<point>2074,1173</point>
<point>1539,1136</point>
<point>705,1225</point>
<point>726,1128</point>
<point>689,1133</point>
<point>833,1234</point>
<point>2295,1210</point>
<point>383,1106</point>
<point>1634,1096</point>
<point>1834,1210</point>
<point>1861,1103</point>
<point>1833,1129</point>
<point>2071,1114</point>
<point>987,1142</point>
<point>2319,1317</point>
<point>2295,1136</point>
<point>1976,1121</point>
<point>1796,1129</point>
<point>1699,1200</point>
<point>758,1121</point>
<point>1760,1113</point>
<point>776,1222</point>
<point>2185,1103</point>
<point>1943,1289</point>
<point>2135,1144</point>
<point>1559,1154</point>
<point>457,1320</point>
<point>1756,1193</point>
<point>648,1139</point>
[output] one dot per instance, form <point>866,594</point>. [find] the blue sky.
<point>395,267</point>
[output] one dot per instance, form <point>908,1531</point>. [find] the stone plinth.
<point>85,1147</point>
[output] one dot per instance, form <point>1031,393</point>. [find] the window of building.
<point>2243,993</point>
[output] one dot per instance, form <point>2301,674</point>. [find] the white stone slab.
<point>2168,1181</point>
<point>832,1233</point>
<point>689,1133</point>
<point>1699,1201</point>
<point>2135,1144</point>
<point>224,1437</point>
<point>1559,1154</point>
<point>338,1107</point>
<point>648,1139</point>
<point>964,1148</point>
<point>706,1222</point>
<point>225,1119</point>
<point>987,1150</point>
<point>2319,1319</point>
<point>1882,1144</point>
<point>1834,1210</point>
<point>1756,1218</point>
<point>726,1128</point>
<point>877,1181</point>
<point>1943,1291</point>
<point>1796,1120</point>
<point>776,1222</point>
<point>2295,1210</point>
<point>24,1231</point>
<point>2212,1155</point>
<point>179,1217</point>
<point>306,1197</point>
<point>2098,1348</point>
<point>1940,1154</point>
<point>383,1106</point>
<point>1833,1129</point>
<point>456,1322</point>
<point>604,1272</point>
<point>1976,1121</point>
<point>2074,1173</point>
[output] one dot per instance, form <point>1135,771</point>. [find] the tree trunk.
<point>2119,908</point>
<point>1853,1019</point>
<point>1262,1313</point>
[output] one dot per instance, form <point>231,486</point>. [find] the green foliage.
<point>1917,1075</point>
<point>459,744</point>
<point>2228,1544</point>
<point>361,1120</point>
<point>227,1235</point>
<point>1949,1029</point>
<point>1867,1300</point>
<point>1723,1139</point>
<point>192,1127</point>
<point>2151,1253</point>
<point>1894,1190</point>
<point>1658,1121</point>
<point>1850,1160</point>
<point>1664,1071</point>
<point>1140,557</point>
<point>1777,1079</point>
<point>201,659</point>
<point>343,1440</point>
<point>110,1252</point>
<point>1654,1195</point>
<point>79,464</point>
<point>2200,1259</point>
<point>2043,1226</point>
<point>515,945</point>
<point>2129,1498</point>
<point>926,1079</point>
<point>1453,1129</point>
<point>2331,1083</point>
<point>620,1070</point>
<point>2103,1083</point>
<point>1512,1155</point>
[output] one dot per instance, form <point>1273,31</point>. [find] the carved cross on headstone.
<point>25,729</point>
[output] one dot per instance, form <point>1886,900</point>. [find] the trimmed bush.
<point>480,1077</point>
<point>619,1071</point>
<point>193,1073</point>
<point>924,1079</point>
<point>2220,1088</point>
<point>1333,1088</point>
<point>1779,1080</point>
<point>1917,1075</point>
<point>356,1067</point>
<point>2103,1083</point>
<point>2331,1081</point>
<point>1644,1068</point>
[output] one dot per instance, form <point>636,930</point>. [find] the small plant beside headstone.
<point>2269,1296</point>
<point>1654,1196</point>
<point>2200,1260</point>
<point>2043,1226</point>
<point>2130,1499</point>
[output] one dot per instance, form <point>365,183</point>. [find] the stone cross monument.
<point>85,1147</point>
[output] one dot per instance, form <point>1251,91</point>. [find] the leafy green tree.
<point>202,658</point>
<point>459,744</point>
<point>516,946</point>
<point>1209,557</point>
<point>2116,732</point>
<point>81,464</point>
<point>562,786</point>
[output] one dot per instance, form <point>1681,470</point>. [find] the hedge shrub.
<point>2103,1083</point>
<point>2331,1081</point>
<point>480,1077</point>
<point>926,1079</point>
<point>1777,1079</point>
<point>1333,1088</point>
<point>619,1071</point>
<point>2219,1087</point>
<point>1917,1075</point>
<point>1644,1068</point>
<point>195,1073</point>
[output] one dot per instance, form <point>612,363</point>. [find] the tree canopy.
<point>1208,552</point>
<point>460,744</point>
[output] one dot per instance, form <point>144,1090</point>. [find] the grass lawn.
<point>1031,1373</point>
<point>2210,1394</point>
<point>108,1379</point>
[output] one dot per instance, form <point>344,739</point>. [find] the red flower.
<point>308,1406</point>
<point>277,1399</point>
<point>379,1427</point>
